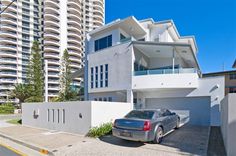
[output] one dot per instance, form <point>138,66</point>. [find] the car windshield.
<point>140,114</point>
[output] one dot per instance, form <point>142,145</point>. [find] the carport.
<point>192,110</point>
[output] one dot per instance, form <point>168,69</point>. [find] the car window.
<point>140,114</point>
<point>166,113</point>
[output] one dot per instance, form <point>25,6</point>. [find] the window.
<point>53,115</point>
<point>96,77</point>
<point>25,37</point>
<point>58,116</point>
<point>140,114</point>
<point>232,90</point>
<point>110,99</point>
<point>106,75</point>
<point>122,37</point>
<point>25,24</point>
<point>63,116</point>
<point>100,99</point>
<point>232,76</point>
<point>92,77</point>
<point>104,99</point>
<point>101,76</point>
<point>142,39</point>
<point>103,43</point>
<point>48,115</point>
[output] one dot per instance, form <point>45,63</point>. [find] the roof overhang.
<point>170,25</point>
<point>130,25</point>
<point>234,65</point>
<point>78,74</point>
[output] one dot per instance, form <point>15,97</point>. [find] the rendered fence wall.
<point>228,126</point>
<point>75,117</point>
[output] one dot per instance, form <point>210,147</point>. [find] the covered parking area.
<point>192,110</point>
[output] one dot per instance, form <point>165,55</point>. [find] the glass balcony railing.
<point>165,71</point>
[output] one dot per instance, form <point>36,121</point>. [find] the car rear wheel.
<point>158,136</point>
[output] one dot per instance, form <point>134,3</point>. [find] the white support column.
<point>129,97</point>
<point>173,61</point>
<point>46,81</point>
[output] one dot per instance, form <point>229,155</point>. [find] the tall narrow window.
<point>110,99</point>
<point>101,76</point>
<point>53,115</point>
<point>58,116</point>
<point>92,77</point>
<point>106,75</point>
<point>63,116</point>
<point>96,76</point>
<point>48,115</point>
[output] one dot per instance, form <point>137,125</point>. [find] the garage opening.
<point>192,110</point>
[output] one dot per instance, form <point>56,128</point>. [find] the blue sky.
<point>212,22</point>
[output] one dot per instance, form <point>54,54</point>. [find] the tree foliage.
<point>66,92</point>
<point>35,76</point>
<point>21,92</point>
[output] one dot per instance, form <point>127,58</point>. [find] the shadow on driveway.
<point>120,142</point>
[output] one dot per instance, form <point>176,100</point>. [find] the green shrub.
<point>15,121</point>
<point>102,130</point>
<point>6,108</point>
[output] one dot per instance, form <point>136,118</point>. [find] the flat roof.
<point>219,73</point>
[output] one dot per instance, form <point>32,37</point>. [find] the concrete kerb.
<point>29,145</point>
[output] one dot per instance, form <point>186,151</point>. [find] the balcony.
<point>166,71</point>
<point>165,79</point>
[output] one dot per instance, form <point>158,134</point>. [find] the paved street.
<point>10,148</point>
<point>185,141</point>
<point>4,151</point>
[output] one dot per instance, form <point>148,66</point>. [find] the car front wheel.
<point>158,136</point>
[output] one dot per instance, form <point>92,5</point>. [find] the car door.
<point>167,121</point>
<point>173,120</point>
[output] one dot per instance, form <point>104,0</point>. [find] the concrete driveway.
<point>188,140</point>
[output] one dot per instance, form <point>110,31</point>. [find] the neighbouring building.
<point>149,64</point>
<point>20,25</point>
<point>230,80</point>
<point>57,25</point>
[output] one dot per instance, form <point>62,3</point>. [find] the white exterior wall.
<point>228,123</point>
<point>160,32</point>
<point>165,81</point>
<point>115,39</point>
<point>104,112</point>
<point>119,60</point>
<point>115,96</point>
<point>80,116</point>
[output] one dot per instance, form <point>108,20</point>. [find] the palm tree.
<point>21,92</point>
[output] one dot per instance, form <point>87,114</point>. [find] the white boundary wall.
<point>228,123</point>
<point>75,117</point>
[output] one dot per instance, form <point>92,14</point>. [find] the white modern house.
<point>149,64</point>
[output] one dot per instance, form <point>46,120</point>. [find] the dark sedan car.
<point>146,125</point>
